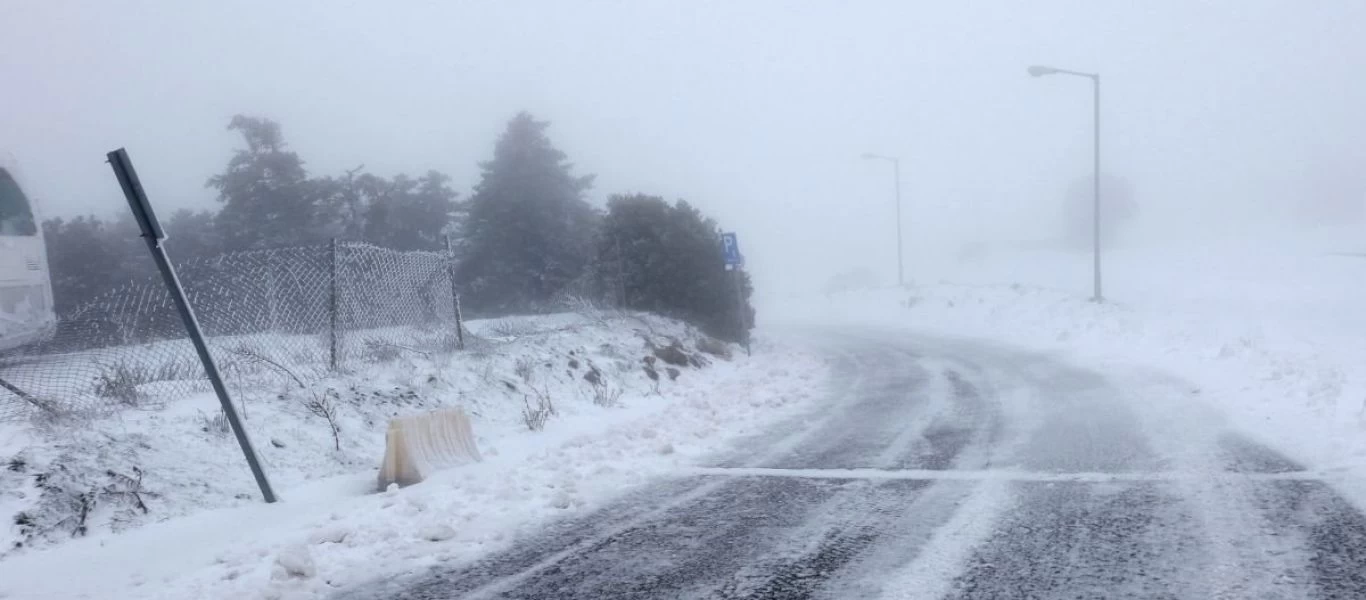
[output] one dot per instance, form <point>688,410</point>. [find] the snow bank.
<point>1268,330</point>
<point>643,419</point>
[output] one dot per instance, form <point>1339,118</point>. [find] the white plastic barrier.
<point>418,445</point>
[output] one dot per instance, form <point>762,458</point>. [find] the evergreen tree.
<point>668,260</point>
<point>400,213</point>
<point>529,233</point>
<point>413,214</point>
<point>338,205</point>
<point>264,190</point>
<point>267,201</point>
<point>192,236</point>
<point>88,256</point>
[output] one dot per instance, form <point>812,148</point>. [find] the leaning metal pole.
<point>153,235</point>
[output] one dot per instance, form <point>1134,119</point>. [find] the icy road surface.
<point>941,469</point>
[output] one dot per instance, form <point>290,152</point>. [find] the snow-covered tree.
<point>264,190</point>
<point>529,233</point>
<point>192,235</point>
<point>668,260</point>
<point>411,214</point>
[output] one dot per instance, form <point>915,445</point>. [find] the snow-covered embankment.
<point>623,415</point>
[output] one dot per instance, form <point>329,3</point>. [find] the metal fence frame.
<point>285,315</point>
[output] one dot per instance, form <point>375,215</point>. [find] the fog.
<point>1223,116</point>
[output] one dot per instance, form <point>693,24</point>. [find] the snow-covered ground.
<point>1267,330</point>
<point>204,533</point>
<point>1270,329</point>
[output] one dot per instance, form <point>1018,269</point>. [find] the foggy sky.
<point>756,112</point>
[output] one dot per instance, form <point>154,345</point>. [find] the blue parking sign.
<point>730,247</point>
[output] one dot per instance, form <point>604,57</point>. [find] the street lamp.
<point>896,175</point>
<point>1040,71</point>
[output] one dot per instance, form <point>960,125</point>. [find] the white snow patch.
<point>438,532</point>
<point>294,561</point>
<point>214,545</point>
<point>941,559</point>
<point>329,535</point>
<point>1269,331</point>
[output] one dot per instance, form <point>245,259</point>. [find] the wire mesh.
<point>289,315</point>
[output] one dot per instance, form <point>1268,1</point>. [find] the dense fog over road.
<point>1051,298</point>
<point>1218,115</point>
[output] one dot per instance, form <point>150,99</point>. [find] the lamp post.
<point>896,178</point>
<point>1039,71</point>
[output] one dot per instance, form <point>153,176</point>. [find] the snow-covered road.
<point>947,469</point>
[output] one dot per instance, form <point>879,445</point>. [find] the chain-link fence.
<point>291,313</point>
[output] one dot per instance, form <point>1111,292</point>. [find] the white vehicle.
<point>26,314</point>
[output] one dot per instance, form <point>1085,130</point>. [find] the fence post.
<point>332,309</point>
<point>153,236</point>
<point>459,326</point>
<point>621,274</point>
<point>455,296</point>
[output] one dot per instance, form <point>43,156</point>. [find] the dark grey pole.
<point>333,307</point>
<point>621,274</point>
<point>455,296</point>
<point>1096,176</point>
<point>153,235</point>
<point>900,255</point>
<point>459,325</point>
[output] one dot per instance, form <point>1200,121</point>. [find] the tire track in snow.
<point>1083,540</point>
<point>1324,535</point>
<point>1118,539</point>
<point>751,537</point>
<point>892,520</point>
<point>1139,522</point>
<point>1256,526</point>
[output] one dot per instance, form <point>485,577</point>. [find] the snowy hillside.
<point>173,512</point>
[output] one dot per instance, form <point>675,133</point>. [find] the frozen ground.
<point>206,536</point>
<point>939,468</point>
<point>1269,328</point>
<point>1198,435</point>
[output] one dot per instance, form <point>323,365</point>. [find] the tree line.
<point>525,240</point>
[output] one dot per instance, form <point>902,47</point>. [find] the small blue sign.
<point>730,247</point>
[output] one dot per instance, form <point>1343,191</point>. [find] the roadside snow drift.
<point>566,410</point>
<point>1267,330</point>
